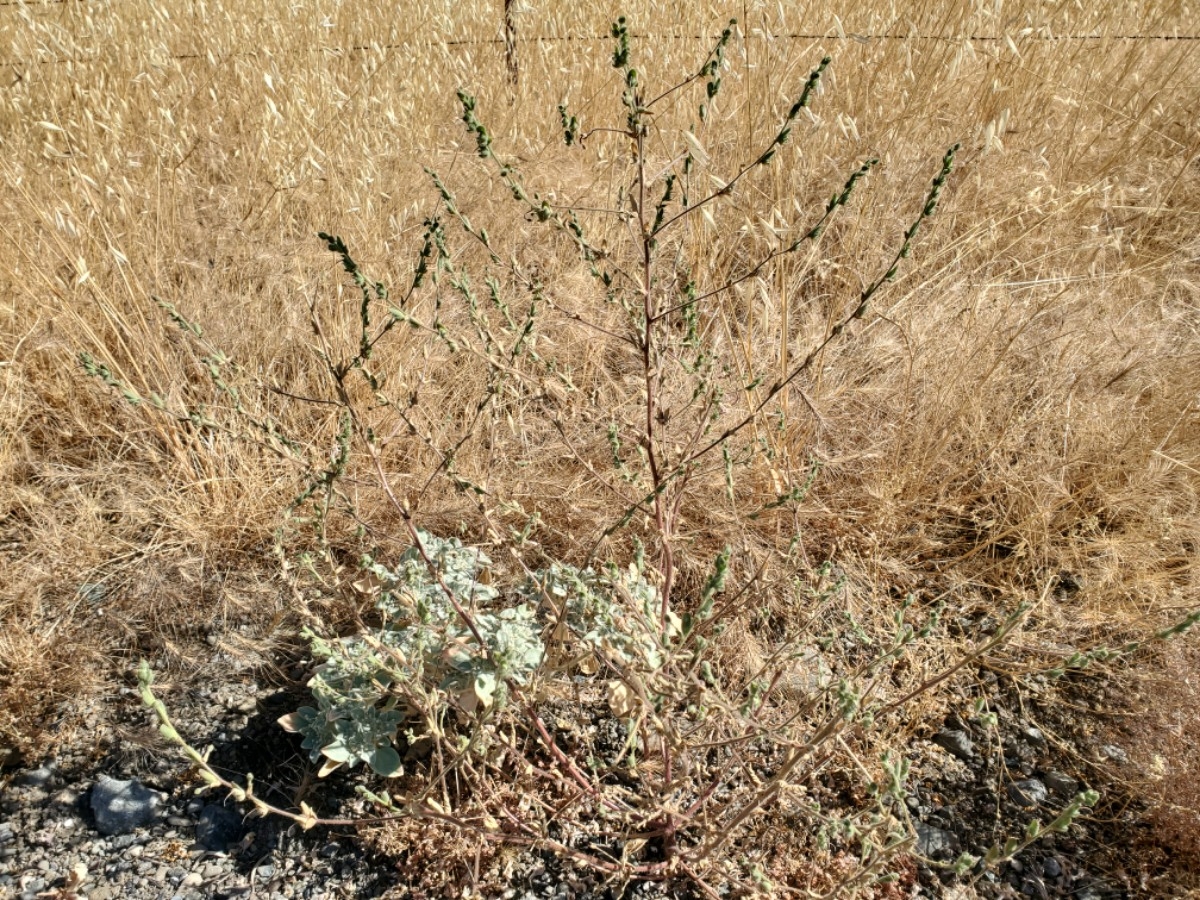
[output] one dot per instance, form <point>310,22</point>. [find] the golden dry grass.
<point>1024,403</point>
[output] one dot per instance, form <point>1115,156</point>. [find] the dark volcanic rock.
<point>956,743</point>
<point>218,827</point>
<point>1029,792</point>
<point>1061,784</point>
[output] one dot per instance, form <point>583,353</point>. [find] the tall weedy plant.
<point>483,680</point>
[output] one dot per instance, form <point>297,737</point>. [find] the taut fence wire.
<point>511,42</point>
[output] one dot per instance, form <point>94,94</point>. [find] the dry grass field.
<point>1023,402</point>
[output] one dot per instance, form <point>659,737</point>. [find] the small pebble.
<point>1060,783</point>
<point>1115,753</point>
<point>955,742</point>
<point>1029,792</point>
<point>34,777</point>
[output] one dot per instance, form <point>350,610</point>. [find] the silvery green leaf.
<point>385,761</point>
<point>337,752</point>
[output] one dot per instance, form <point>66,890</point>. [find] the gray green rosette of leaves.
<point>423,647</point>
<point>356,716</point>
<point>422,642</point>
<point>515,652</point>
<point>615,611</point>
<point>410,594</point>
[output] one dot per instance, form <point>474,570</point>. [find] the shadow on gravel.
<point>283,776</point>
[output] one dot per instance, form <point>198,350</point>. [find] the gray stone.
<point>1029,792</point>
<point>956,743</point>
<point>1115,753</point>
<point>122,806</point>
<point>933,842</point>
<point>218,827</point>
<point>1051,868</point>
<point>38,777</point>
<point>1061,784</point>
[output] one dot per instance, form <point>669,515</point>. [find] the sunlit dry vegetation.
<point>1015,420</point>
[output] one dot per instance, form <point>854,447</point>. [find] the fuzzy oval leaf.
<point>294,721</point>
<point>337,752</point>
<point>386,761</point>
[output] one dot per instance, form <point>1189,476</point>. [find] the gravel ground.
<point>70,829</point>
<point>115,814</point>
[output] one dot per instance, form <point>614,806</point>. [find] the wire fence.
<point>511,43</point>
